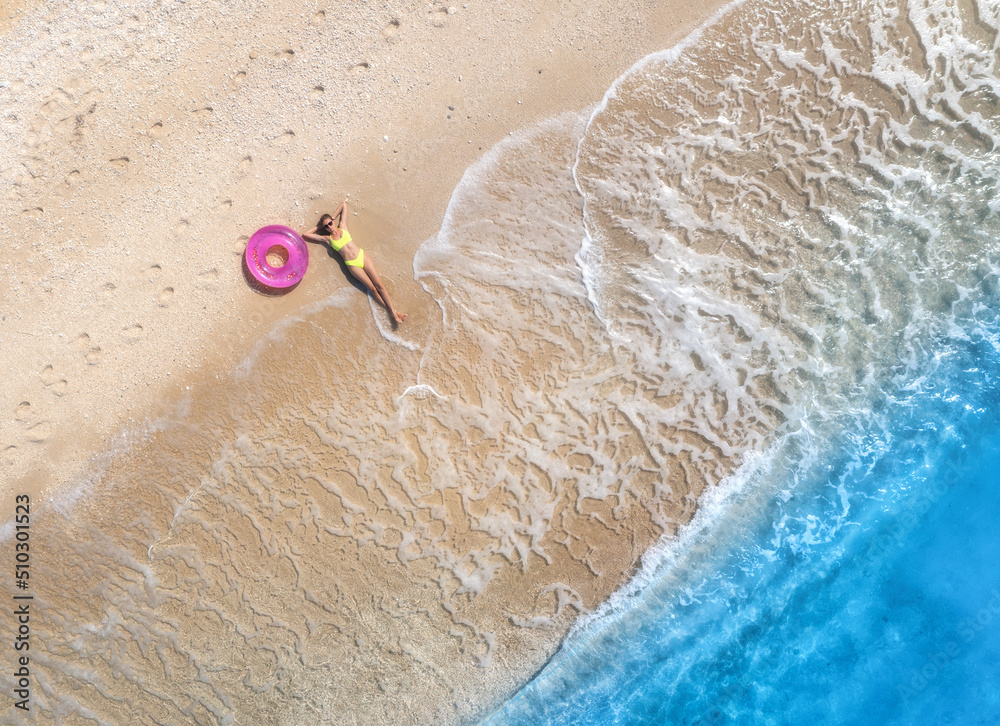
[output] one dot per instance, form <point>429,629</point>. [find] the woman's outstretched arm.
<point>340,216</point>
<point>313,236</point>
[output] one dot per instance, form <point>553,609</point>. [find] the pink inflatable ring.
<point>283,242</point>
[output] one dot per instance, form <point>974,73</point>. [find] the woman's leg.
<point>380,290</point>
<point>361,275</point>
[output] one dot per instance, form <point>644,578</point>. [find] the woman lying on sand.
<point>360,265</point>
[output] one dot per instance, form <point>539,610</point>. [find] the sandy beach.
<point>143,144</point>
<point>693,418</point>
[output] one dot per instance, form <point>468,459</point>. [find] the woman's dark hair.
<point>322,217</point>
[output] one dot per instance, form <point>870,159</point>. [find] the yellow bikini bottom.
<point>358,261</point>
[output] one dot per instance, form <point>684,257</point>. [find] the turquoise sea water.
<point>865,593</point>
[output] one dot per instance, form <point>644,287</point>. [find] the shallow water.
<point>862,591</point>
<point>765,262</point>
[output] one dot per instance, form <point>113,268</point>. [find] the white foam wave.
<point>385,328</point>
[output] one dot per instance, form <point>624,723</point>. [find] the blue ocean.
<point>864,591</point>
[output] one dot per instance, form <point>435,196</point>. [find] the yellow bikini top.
<point>345,237</point>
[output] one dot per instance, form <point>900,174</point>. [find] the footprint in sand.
<point>40,432</point>
<point>153,271</point>
<point>23,411</point>
<point>108,287</point>
<point>316,92</point>
<point>390,31</point>
<point>360,67</point>
<point>286,53</point>
<point>245,162</point>
<point>48,376</point>
<point>240,245</point>
<point>226,204</point>
<point>156,131</point>
<point>318,18</point>
<point>285,137</point>
<point>439,16</point>
<point>33,213</point>
<point>133,332</point>
<point>9,455</point>
<point>203,113</point>
<point>208,277</point>
<point>93,353</point>
<point>55,382</point>
<point>240,77</point>
<point>163,297</point>
<point>182,227</point>
<point>121,163</point>
<point>73,178</point>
